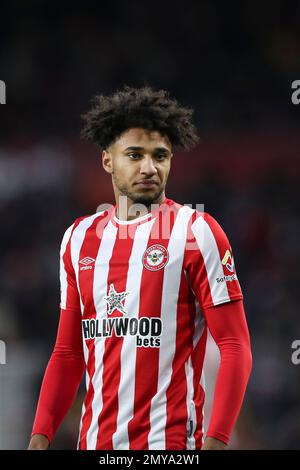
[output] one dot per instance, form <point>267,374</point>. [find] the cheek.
<point>124,172</point>
<point>165,172</point>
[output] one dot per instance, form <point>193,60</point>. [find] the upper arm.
<point>227,324</point>
<point>69,337</point>
<point>210,265</point>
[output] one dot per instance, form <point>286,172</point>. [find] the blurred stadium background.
<point>235,66</point>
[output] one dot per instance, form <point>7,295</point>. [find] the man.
<point>141,283</point>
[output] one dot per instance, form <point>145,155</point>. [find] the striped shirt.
<point>141,288</point>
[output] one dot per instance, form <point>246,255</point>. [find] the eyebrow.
<point>157,149</point>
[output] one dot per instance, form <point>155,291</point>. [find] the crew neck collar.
<point>137,220</point>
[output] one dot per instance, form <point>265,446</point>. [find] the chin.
<point>146,198</point>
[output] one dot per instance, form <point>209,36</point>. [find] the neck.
<point>129,210</point>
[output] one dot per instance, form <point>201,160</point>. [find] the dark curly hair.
<point>142,107</point>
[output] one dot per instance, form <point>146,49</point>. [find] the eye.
<point>161,156</point>
<point>134,156</point>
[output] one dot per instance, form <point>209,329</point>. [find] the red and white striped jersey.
<point>141,288</point>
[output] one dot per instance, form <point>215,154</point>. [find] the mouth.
<point>147,184</point>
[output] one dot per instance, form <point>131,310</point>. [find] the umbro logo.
<point>87,263</point>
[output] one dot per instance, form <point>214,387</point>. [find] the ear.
<point>107,161</point>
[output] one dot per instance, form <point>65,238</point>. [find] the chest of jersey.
<point>113,281</point>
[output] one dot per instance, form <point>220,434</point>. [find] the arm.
<point>228,326</point>
<point>61,380</point>
<point>213,279</point>
<point>66,365</point>
<point>38,442</point>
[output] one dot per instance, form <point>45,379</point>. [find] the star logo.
<point>114,300</point>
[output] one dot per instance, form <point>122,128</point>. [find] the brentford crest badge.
<point>155,257</point>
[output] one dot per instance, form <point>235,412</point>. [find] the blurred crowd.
<point>250,185</point>
<point>235,68</point>
<point>233,63</point>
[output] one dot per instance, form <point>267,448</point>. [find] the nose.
<point>147,166</point>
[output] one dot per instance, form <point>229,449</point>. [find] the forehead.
<point>142,138</point>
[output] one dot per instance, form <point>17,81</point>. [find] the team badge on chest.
<point>155,257</point>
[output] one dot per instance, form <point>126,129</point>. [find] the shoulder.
<point>207,229</point>
<point>208,221</point>
<point>185,211</point>
<point>193,213</point>
<point>198,222</point>
<point>82,223</point>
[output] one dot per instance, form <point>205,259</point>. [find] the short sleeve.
<point>209,263</point>
<point>69,295</point>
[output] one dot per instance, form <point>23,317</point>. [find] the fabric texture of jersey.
<point>140,289</point>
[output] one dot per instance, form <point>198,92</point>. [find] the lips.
<point>147,183</point>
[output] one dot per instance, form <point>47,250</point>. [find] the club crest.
<point>155,257</point>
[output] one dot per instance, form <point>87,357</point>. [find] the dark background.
<point>234,64</point>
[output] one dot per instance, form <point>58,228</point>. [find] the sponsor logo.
<point>231,278</point>
<point>228,264</point>
<point>87,261</point>
<point>147,330</point>
<point>114,300</point>
<point>228,261</point>
<point>155,257</point>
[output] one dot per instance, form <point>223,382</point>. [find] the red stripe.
<point>147,359</point>
<point>177,415</point>
<point>72,297</point>
<point>118,269</point>
<point>197,362</point>
<point>223,244</point>
<point>195,267</point>
<point>90,247</point>
<point>196,271</point>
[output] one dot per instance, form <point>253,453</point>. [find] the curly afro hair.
<point>142,107</point>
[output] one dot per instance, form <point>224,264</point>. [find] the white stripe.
<point>199,328</point>
<point>199,324</point>
<point>87,383</point>
<point>202,383</point>
<point>128,353</point>
<point>171,283</point>
<point>210,253</point>
<point>100,285</point>
<point>190,404</point>
<point>62,270</point>
<point>76,244</point>
<point>198,332</point>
